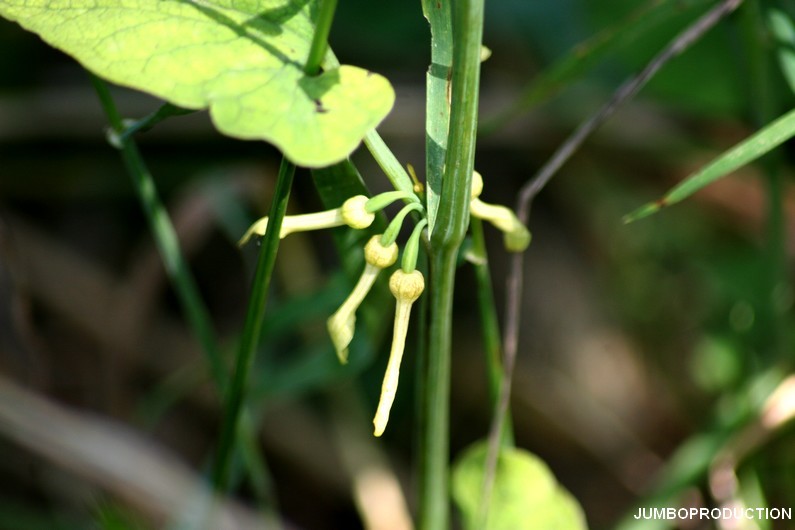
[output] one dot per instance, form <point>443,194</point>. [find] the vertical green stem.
<point>262,277</point>
<point>178,272</point>
<point>319,46</point>
<point>492,342</point>
<point>434,435</point>
<point>253,325</point>
<point>446,238</point>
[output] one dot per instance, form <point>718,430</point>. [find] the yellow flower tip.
<point>518,239</point>
<point>259,228</point>
<point>485,53</point>
<point>379,255</point>
<point>516,235</point>
<point>379,424</point>
<point>406,286</point>
<point>354,213</point>
<point>388,389</point>
<point>477,184</point>
<point>341,326</point>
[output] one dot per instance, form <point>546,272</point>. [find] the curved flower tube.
<point>516,237</point>
<point>406,287</point>
<point>342,323</point>
<point>353,213</point>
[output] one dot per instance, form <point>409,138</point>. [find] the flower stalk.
<point>354,212</point>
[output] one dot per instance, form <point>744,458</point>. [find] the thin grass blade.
<point>743,153</point>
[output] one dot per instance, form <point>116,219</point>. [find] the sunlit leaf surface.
<point>241,59</point>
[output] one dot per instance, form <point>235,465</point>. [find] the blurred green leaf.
<point>784,33</point>
<point>111,516</point>
<point>242,60</point>
<point>571,67</point>
<point>716,364</point>
<point>525,494</point>
<point>747,151</point>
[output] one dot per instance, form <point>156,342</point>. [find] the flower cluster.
<point>380,253</point>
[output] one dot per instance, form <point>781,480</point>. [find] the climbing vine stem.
<point>446,237</point>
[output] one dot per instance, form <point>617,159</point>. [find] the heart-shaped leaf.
<point>242,59</point>
<point>525,495</point>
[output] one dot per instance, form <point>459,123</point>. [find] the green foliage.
<point>573,66</point>
<point>783,31</point>
<point>525,496</point>
<point>242,60</point>
<point>743,153</point>
<point>437,117</point>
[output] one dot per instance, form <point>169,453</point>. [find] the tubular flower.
<point>352,213</point>
<point>406,287</point>
<point>342,323</point>
<point>516,236</point>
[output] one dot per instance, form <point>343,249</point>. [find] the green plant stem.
<point>388,163</point>
<point>492,342</point>
<point>319,46</point>
<point>177,269</point>
<point>446,238</point>
<point>167,110</point>
<point>253,325</point>
<point>434,433</point>
<point>165,236</point>
<point>262,277</point>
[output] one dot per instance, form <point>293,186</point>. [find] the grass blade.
<point>743,153</point>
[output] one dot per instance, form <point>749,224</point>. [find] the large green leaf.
<point>525,495</point>
<point>746,151</point>
<point>242,59</point>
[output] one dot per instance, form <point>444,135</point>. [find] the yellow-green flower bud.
<point>518,239</point>
<point>379,255</point>
<point>516,236</point>
<point>355,214</point>
<point>477,184</point>
<point>406,288</point>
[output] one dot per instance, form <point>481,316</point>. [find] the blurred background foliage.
<point>635,339</point>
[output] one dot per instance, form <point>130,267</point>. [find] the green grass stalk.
<point>178,272</point>
<point>253,326</point>
<point>492,342</point>
<point>164,235</point>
